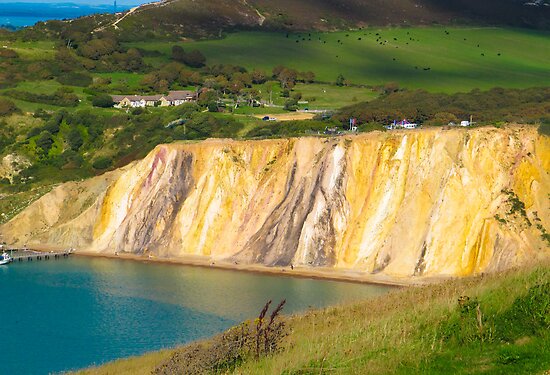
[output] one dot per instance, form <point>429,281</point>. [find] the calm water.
<point>72,313</point>
<point>27,13</point>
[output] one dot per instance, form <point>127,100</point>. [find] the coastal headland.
<point>397,207</point>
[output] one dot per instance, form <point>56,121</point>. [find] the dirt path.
<point>139,8</point>
<point>291,116</point>
<point>261,17</point>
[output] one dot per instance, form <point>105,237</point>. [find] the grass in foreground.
<point>497,324</point>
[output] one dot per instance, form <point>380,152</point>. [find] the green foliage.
<point>102,163</point>
<point>7,107</point>
<point>529,315</point>
<point>45,141</point>
<point>204,125</point>
<point>102,100</point>
<point>289,129</point>
<point>544,127</point>
<point>213,106</point>
<point>61,98</point>
<point>456,65</point>
<point>194,59</point>
<point>291,104</point>
<point>340,80</point>
<point>249,340</point>
<point>487,107</point>
<point>517,206</point>
<point>75,79</point>
<point>96,48</point>
<point>74,138</point>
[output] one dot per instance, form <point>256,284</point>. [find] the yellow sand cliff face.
<point>406,204</point>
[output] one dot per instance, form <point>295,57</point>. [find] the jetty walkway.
<point>20,255</point>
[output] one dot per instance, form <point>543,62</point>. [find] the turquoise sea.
<point>59,315</point>
<point>16,14</point>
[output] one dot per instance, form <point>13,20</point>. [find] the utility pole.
<point>115,6</point>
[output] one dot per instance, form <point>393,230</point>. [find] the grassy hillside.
<point>497,324</point>
<point>189,18</point>
<point>434,58</point>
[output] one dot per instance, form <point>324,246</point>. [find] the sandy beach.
<point>323,273</point>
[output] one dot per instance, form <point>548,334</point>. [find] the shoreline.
<point>321,273</point>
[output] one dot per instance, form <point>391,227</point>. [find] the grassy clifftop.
<point>189,18</point>
<point>491,324</point>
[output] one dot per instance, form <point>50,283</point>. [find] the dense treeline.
<point>494,106</point>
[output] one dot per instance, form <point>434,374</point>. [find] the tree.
<point>102,162</point>
<point>45,141</point>
<point>291,105</point>
<point>277,70</point>
<point>258,77</point>
<point>178,54</point>
<point>74,139</point>
<point>288,78</point>
<point>96,48</point>
<point>307,77</point>
<point>443,118</point>
<point>194,59</point>
<point>207,96</point>
<point>102,101</point>
<point>212,107</point>
<point>188,77</point>
<point>340,80</point>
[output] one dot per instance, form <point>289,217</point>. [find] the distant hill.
<point>206,18</point>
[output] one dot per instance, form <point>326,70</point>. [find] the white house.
<point>174,98</point>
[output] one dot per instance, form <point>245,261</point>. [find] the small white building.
<point>404,124</point>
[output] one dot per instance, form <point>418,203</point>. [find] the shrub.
<point>291,105</point>
<point>102,100</point>
<point>194,59</point>
<point>74,138</point>
<point>102,163</point>
<point>544,128</point>
<point>75,79</point>
<point>212,107</point>
<point>7,107</point>
<point>8,53</point>
<point>340,80</point>
<point>62,97</point>
<point>45,141</point>
<point>251,339</point>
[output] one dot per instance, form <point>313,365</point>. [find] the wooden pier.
<point>30,255</point>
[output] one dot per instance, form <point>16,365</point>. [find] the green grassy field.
<point>321,96</point>
<point>32,50</point>
<point>44,87</point>
<point>455,61</point>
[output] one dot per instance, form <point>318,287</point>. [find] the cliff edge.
<point>423,203</point>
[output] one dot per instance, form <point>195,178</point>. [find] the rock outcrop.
<point>409,203</point>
